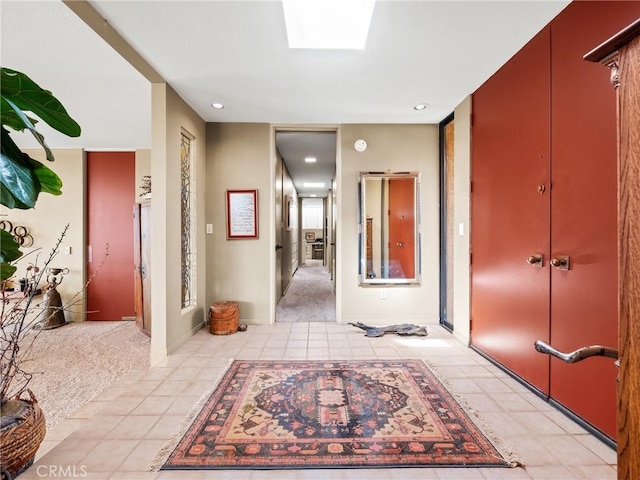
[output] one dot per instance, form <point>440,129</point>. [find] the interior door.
<point>402,195</point>
<point>510,213</point>
<point>583,211</point>
<point>110,196</point>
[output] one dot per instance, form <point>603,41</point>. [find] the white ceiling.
<point>235,52</point>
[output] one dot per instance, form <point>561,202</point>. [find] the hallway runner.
<point>327,414</point>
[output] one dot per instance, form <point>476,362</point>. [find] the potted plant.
<point>22,179</point>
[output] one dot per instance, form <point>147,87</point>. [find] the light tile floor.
<point>118,433</point>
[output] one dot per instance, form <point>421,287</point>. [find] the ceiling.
<point>236,53</point>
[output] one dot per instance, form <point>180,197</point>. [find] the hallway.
<point>310,296</point>
<point>118,433</point>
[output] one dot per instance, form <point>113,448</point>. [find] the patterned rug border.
<point>172,442</point>
<point>510,457</point>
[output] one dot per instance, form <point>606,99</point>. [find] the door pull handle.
<point>561,262</point>
<point>536,260</point>
<point>579,354</point>
<point>279,247</point>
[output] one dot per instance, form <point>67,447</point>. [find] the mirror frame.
<point>364,280</point>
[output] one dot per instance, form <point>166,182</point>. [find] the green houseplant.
<point>22,179</point>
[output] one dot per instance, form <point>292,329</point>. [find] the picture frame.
<point>242,214</point>
<point>309,236</point>
<point>291,212</point>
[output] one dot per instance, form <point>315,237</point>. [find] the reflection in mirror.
<point>389,218</point>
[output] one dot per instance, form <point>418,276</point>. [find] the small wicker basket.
<point>19,443</point>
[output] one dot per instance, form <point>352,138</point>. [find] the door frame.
<point>292,127</point>
<point>445,321</point>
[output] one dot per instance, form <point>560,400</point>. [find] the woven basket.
<point>20,443</point>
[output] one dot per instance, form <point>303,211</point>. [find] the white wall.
<point>395,148</point>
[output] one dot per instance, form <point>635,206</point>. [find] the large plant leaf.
<point>9,248</point>
<point>9,201</point>
<point>28,125</point>
<point>49,181</point>
<point>26,94</point>
<point>9,117</point>
<point>16,174</point>
<point>6,271</point>
<point>9,252</point>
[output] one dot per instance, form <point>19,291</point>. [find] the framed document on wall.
<point>242,214</point>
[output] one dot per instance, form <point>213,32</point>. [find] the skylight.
<point>328,24</point>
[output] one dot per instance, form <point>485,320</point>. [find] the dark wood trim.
<point>620,39</point>
<point>622,55</point>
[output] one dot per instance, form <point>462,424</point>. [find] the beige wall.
<point>395,148</point>
<point>48,219</point>
<point>172,325</point>
<point>239,156</point>
<point>461,215</point>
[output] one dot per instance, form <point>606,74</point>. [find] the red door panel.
<point>583,210</point>
<point>510,218</point>
<point>110,197</point>
<point>402,244</point>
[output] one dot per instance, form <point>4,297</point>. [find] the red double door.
<point>544,183</point>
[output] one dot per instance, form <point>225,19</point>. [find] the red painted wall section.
<point>548,117</point>
<point>510,218</point>
<point>110,198</point>
<point>584,300</point>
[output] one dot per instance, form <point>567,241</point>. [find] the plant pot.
<point>23,429</point>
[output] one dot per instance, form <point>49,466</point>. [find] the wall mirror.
<point>389,228</point>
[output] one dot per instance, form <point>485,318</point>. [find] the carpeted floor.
<point>309,298</point>
<point>325,414</point>
<point>74,363</point>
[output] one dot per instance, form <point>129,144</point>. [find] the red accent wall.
<point>510,298</point>
<point>548,100</point>
<point>110,197</point>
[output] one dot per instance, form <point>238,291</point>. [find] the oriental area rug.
<point>331,414</point>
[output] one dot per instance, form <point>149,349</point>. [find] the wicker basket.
<point>20,443</point>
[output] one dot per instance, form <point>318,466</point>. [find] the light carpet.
<point>309,298</point>
<point>74,363</point>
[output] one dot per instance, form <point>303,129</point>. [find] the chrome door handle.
<point>561,262</point>
<point>537,260</point>
<point>400,244</point>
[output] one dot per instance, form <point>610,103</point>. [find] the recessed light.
<point>421,106</point>
<point>217,106</point>
<point>310,159</point>
<point>313,195</point>
<point>313,185</point>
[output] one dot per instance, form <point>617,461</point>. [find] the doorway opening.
<point>305,225</point>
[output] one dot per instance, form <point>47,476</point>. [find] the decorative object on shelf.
<point>145,187</point>
<point>54,309</point>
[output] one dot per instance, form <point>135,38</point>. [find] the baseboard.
<point>599,434</point>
